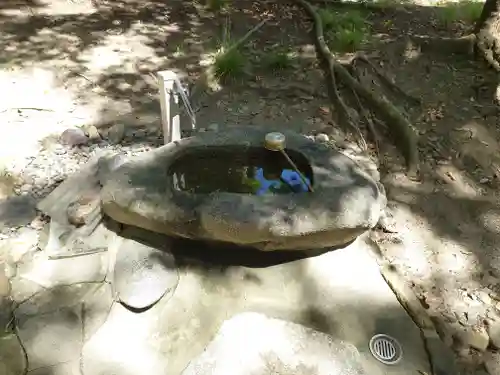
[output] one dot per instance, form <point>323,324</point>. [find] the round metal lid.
<point>386,349</point>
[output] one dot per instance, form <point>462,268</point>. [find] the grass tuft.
<point>229,65</point>
<point>345,31</point>
<point>278,61</point>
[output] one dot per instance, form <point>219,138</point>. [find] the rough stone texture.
<point>97,306</point>
<point>50,273</point>
<point>52,236</point>
<point>116,133</point>
<point>6,307</point>
<point>25,241</point>
<point>441,356</point>
<point>57,239</point>
<point>92,132</point>
<point>240,349</point>
<point>46,301</point>
<point>23,289</point>
<point>71,368</point>
<point>74,137</point>
<point>108,164</point>
<point>340,293</point>
<point>51,339</point>
<point>17,211</point>
<point>492,363</point>
<point>82,183</point>
<point>143,274</point>
<point>474,337</point>
<point>124,344</point>
<point>53,324</point>
<point>11,356</point>
<point>325,293</point>
<point>346,201</point>
<point>4,282</point>
<point>84,210</point>
<point>365,161</point>
<point>494,333</point>
<point>74,206</point>
<point>5,301</point>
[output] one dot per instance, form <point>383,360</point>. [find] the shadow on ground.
<point>301,291</point>
<point>107,53</point>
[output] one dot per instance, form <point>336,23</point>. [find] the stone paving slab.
<point>70,368</point>
<point>340,293</point>
<point>12,360</point>
<point>143,274</point>
<point>239,348</point>
<point>53,338</point>
<point>339,296</point>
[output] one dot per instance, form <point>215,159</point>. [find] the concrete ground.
<point>229,311</point>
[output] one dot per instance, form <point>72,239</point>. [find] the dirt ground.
<point>91,62</point>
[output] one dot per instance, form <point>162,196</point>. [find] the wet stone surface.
<point>346,201</point>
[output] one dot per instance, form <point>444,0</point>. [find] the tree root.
<point>366,115</point>
<point>405,137</point>
<point>385,80</point>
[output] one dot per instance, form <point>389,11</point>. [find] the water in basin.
<point>254,170</point>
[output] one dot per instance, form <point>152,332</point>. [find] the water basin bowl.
<point>231,169</point>
<point>225,186</point>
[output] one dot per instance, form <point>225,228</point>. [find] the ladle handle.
<point>294,166</point>
<point>276,142</point>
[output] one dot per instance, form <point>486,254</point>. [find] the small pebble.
<point>73,137</point>
<point>116,133</point>
<point>93,133</point>
<point>38,223</point>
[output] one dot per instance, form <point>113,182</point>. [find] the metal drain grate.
<point>386,349</point>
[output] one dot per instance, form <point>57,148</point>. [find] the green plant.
<point>447,14</point>
<point>344,31</point>
<point>347,40</point>
<point>278,60</point>
<point>328,18</point>
<point>217,5</point>
<point>229,64</point>
<point>229,61</point>
<point>462,11</point>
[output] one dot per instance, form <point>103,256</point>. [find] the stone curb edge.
<point>441,358</point>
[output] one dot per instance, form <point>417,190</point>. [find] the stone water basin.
<point>226,187</point>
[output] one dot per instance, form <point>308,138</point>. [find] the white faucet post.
<point>169,102</point>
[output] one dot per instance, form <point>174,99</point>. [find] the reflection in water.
<point>288,181</point>
<point>250,171</point>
